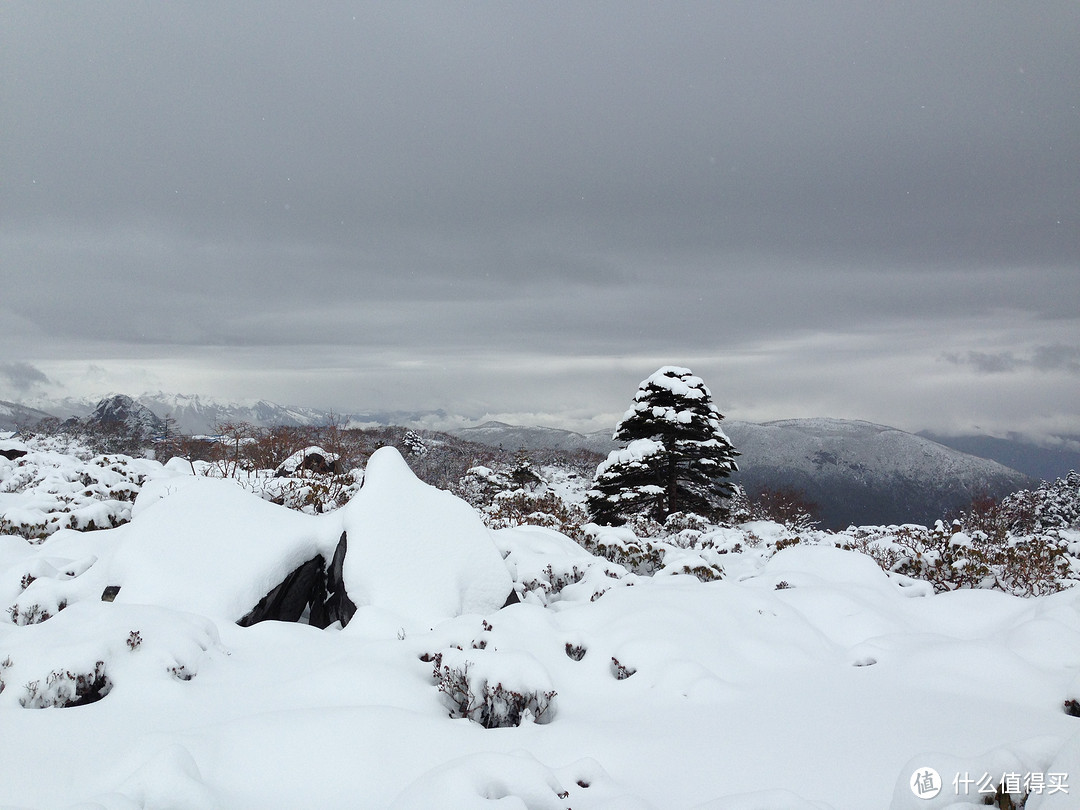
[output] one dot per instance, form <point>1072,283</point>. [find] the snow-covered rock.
<point>212,548</point>
<point>417,550</point>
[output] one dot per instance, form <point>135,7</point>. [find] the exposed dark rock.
<point>287,601</point>
<point>110,592</point>
<point>512,599</point>
<point>311,587</point>
<point>12,454</point>
<point>334,604</point>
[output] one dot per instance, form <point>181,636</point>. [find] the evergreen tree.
<point>523,475</point>
<point>676,459</point>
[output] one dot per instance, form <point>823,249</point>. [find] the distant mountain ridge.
<point>864,473</point>
<point>193,414</point>
<point>514,437</point>
<point>14,416</point>
<point>857,472</point>
<point>198,415</point>
<point>1040,461</point>
<point>132,417</point>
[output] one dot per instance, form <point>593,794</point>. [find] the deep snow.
<point>808,679</point>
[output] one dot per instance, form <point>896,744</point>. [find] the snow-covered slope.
<point>805,679</point>
<point>199,415</point>
<point>861,473</point>
<point>14,416</point>
<point>814,682</point>
<point>127,415</point>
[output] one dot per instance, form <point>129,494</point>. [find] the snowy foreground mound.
<point>137,673</point>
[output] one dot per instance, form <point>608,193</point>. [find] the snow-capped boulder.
<point>12,450</point>
<point>313,459</point>
<point>211,548</point>
<point>416,550</point>
<point>208,546</point>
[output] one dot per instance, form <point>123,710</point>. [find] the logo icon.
<point>925,783</point>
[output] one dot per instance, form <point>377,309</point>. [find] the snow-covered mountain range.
<point>855,472</point>
<point>14,415</point>
<point>514,437</point>
<point>860,472</point>
<point>195,414</point>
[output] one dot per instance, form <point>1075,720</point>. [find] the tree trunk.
<point>672,487</point>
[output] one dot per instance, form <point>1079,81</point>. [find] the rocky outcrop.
<point>125,414</point>
<point>312,591</point>
<point>311,459</point>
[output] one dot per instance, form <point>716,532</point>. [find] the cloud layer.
<point>824,209</point>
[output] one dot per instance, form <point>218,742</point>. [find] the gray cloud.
<point>1055,358</point>
<point>23,377</point>
<point>522,185</point>
<point>999,363</point>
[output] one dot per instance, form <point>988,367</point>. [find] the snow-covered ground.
<point>807,678</point>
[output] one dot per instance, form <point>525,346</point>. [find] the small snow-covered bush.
<point>519,497</point>
<point>575,652</point>
<point>552,583</point>
<point>620,670</point>
<point>62,491</point>
<point>314,494</point>
<point>548,567</point>
<point>494,689</point>
<point>622,546</point>
<point>31,614</point>
<point>307,491</point>
<point>950,558</point>
<point>1053,505</point>
<point>65,688</point>
<point>788,507</point>
<point>414,444</point>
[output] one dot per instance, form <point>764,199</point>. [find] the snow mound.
<point>211,548</point>
<point>168,778</point>
<point>763,800</point>
<point>1034,772</point>
<point>313,457</point>
<point>417,550</point>
<point>549,567</point>
<point>516,782</point>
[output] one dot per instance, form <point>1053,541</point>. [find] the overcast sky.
<point>859,210</point>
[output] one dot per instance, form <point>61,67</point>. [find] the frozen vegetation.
<point>207,634</point>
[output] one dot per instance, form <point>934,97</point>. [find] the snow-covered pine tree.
<point>676,459</point>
